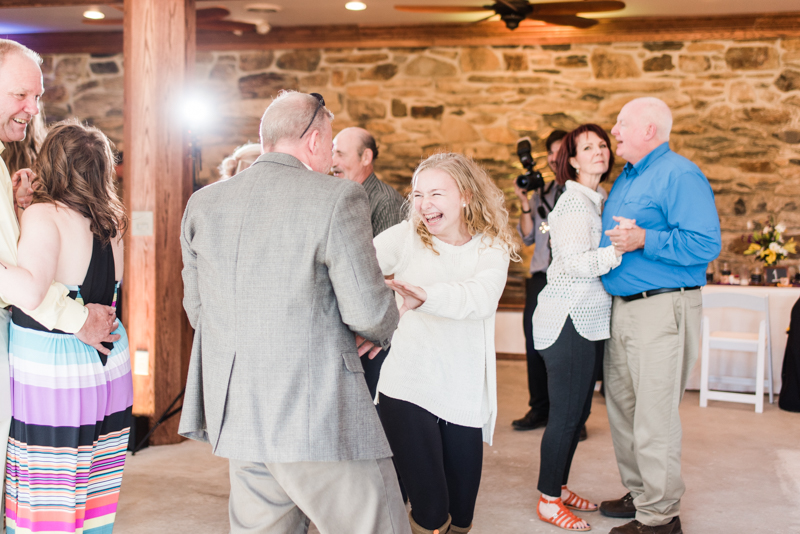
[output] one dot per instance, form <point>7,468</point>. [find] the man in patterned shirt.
<point>354,150</point>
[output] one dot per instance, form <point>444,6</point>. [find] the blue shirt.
<point>672,200</point>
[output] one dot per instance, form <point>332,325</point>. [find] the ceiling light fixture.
<point>355,6</point>
<point>94,13</point>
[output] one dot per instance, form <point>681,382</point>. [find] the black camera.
<point>532,179</point>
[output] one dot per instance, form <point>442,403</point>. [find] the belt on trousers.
<point>653,292</point>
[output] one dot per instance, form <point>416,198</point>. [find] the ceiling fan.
<point>209,18</point>
<point>512,12</point>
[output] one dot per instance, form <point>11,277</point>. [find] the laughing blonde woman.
<point>437,390</point>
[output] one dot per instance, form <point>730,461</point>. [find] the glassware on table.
<point>725,273</point>
<point>744,276</point>
<point>710,273</point>
<point>757,276</point>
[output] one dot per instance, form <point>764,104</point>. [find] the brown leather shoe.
<point>620,508</point>
<point>634,527</point>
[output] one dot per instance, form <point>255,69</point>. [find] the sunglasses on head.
<point>320,104</point>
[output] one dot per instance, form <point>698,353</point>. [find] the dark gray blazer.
<point>279,272</point>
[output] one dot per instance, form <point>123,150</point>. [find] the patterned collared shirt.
<point>385,204</point>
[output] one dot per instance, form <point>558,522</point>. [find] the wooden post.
<point>159,44</point>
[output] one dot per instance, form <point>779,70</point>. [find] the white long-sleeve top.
<point>573,279</point>
<point>442,357</point>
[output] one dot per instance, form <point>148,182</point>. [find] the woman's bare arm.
<point>26,284</point>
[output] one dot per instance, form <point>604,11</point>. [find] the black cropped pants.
<point>570,365</point>
<point>440,462</point>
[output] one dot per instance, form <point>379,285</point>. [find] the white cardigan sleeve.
<point>475,298</point>
<point>391,246</point>
<point>571,237</point>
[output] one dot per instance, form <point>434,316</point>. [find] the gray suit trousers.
<point>353,497</point>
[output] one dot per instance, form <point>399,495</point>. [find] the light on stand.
<point>195,114</point>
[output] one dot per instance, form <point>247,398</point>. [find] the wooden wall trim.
<point>71,42</point>
<point>739,27</point>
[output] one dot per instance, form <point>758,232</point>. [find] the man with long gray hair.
<point>282,285</point>
<point>661,213</point>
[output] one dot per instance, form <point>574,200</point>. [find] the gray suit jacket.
<point>279,272</point>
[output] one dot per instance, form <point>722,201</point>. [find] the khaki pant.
<point>654,345</point>
<point>353,497</point>
<point>5,407</point>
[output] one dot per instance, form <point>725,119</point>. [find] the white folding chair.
<point>759,342</point>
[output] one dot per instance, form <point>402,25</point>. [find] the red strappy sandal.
<point>573,502</point>
<point>563,518</point>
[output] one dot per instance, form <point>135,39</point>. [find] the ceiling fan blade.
<point>440,9</point>
<point>511,6</point>
<point>226,26</point>
<point>102,22</point>
<point>212,13</point>
<point>565,20</point>
<point>484,19</point>
<point>570,8</point>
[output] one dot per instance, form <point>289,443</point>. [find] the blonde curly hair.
<point>485,212</point>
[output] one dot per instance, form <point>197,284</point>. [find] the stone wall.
<point>736,107</point>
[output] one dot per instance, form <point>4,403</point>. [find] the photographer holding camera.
<point>533,228</point>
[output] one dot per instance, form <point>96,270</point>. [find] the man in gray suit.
<point>280,279</point>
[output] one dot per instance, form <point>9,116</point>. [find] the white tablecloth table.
<point>510,339</point>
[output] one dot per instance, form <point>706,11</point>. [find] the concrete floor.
<point>742,473</point>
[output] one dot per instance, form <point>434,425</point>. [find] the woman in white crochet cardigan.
<point>572,316</point>
<point>437,389</point>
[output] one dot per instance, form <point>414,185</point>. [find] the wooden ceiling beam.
<point>53,3</point>
<point>741,27</point>
<point>71,42</point>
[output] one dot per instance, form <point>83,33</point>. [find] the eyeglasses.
<point>320,104</point>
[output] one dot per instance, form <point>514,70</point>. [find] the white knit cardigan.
<point>573,278</point>
<point>442,357</point>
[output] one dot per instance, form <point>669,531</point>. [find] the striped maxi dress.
<point>71,411</point>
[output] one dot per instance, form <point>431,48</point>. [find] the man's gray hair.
<point>366,141</point>
<point>655,111</point>
<point>7,46</point>
<point>288,115</point>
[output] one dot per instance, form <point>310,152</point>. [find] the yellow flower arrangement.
<point>768,244</point>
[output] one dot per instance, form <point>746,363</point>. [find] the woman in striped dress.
<point>71,405</point>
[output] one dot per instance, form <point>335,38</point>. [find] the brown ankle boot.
<point>444,529</point>
<point>459,530</point>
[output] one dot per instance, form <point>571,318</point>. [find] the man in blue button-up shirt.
<point>661,213</point>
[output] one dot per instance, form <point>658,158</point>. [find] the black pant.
<point>372,371</point>
<point>440,462</point>
<point>537,372</point>
<point>570,371</point>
